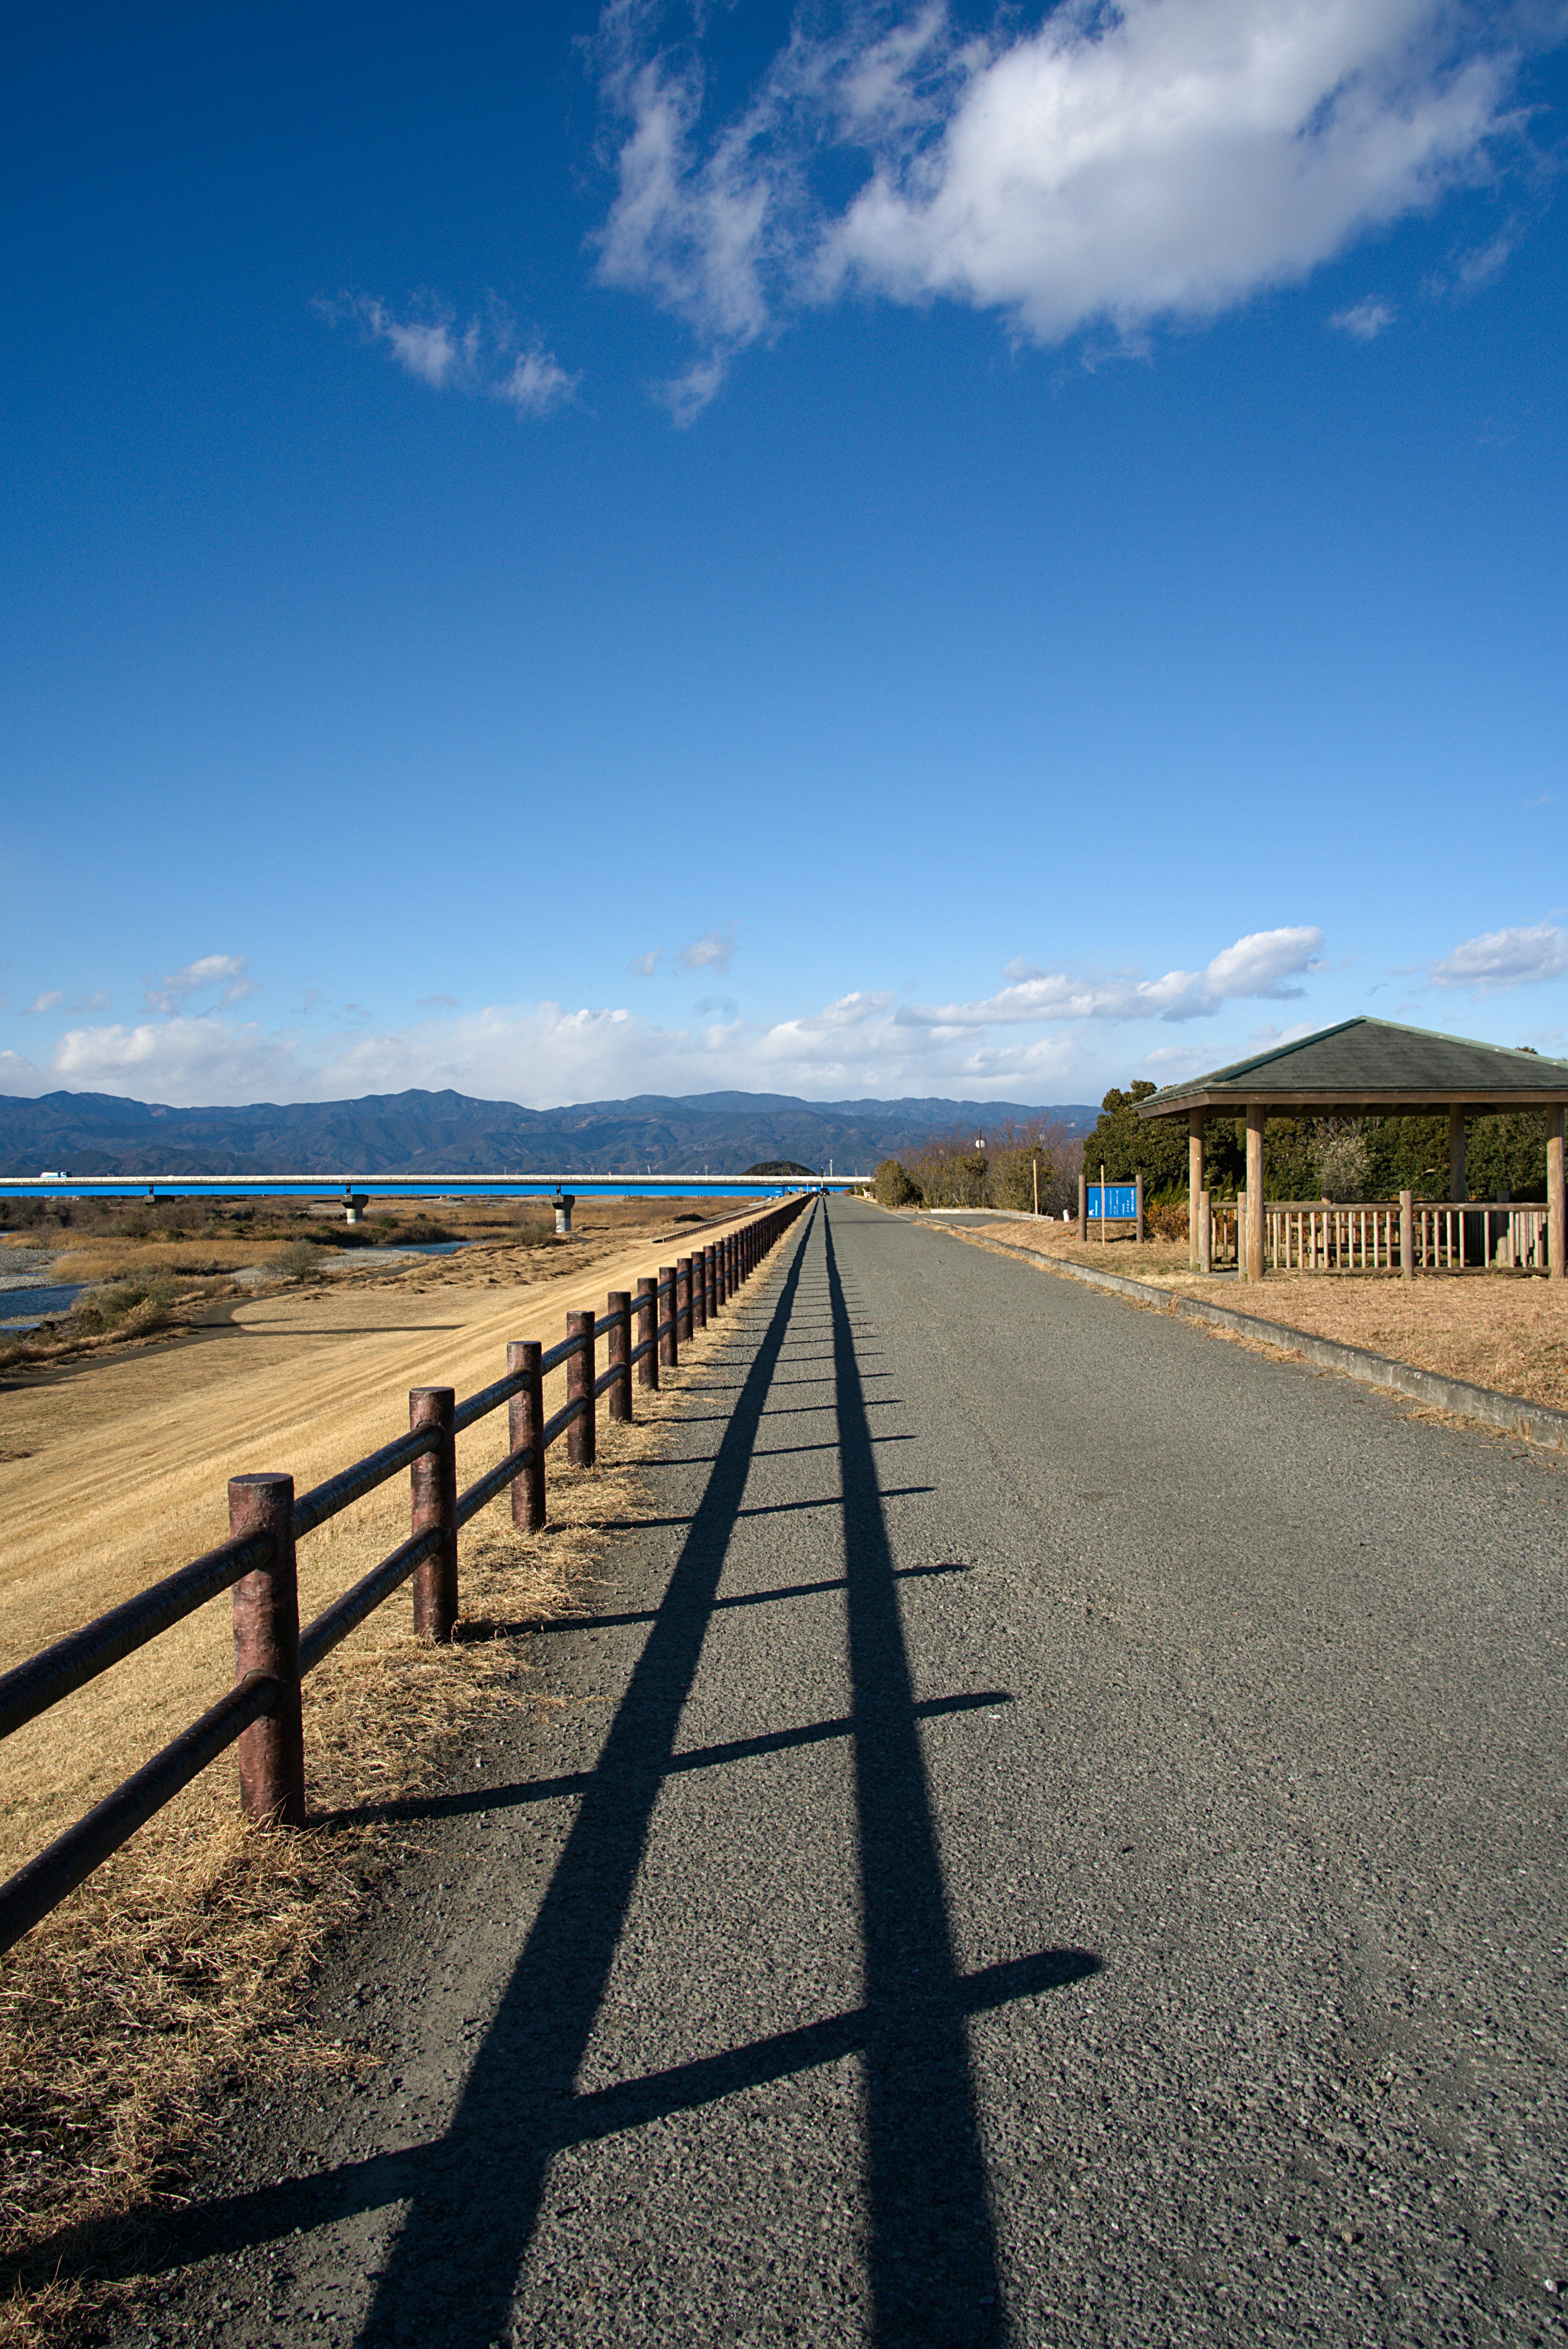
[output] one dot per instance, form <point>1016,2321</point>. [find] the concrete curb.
<point>1538,1422</point>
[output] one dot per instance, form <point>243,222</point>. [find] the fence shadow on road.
<point>473,2196</point>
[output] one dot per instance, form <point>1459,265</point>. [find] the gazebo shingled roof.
<point>1375,1067</point>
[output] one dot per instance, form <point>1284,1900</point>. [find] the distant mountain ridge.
<point>449,1133</point>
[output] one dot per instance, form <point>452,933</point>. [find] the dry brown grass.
<point>1496,1329</point>
<point>509,1241</point>
<point>175,1974</point>
<point>1504,1331</point>
<point>113,1472</point>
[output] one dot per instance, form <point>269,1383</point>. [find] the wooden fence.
<point>1316,1236</point>
<point>261,1713</point>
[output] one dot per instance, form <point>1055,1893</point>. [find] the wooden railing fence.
<point>1316,1236</point>
<point>262,1713</point>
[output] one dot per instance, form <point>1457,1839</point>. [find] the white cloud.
<point>1044,1036</point>
<point>544,1053</point>
<point>480,357</point>
<point>1114,167</point>
<point>1366,320</point>
<point>535,383</point>
<point>1258,964</point>
<point>643,966</point>
<point>221,976</point>
<point>713,950</point>
<point>1503,959</point>
<point>55,999</point>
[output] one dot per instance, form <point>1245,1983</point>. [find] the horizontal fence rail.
<point>261,1714</point>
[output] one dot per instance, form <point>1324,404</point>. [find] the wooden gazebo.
<point>1370,1068</point>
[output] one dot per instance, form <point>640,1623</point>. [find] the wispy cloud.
<point>1501,959</point>
<point>644,966</point>
<point>1364,320</point>
<point>1114,167</point>
<point>481,358</point>
<point>55,999</point>
<point>713,950</point>
<point>223,978</point>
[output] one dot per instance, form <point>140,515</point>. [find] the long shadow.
<point>268,2212</point>
<point>477,2202</point>
<point>932,2255</point>
<point>480,1799</point>
<point>473,2194</point>
<point>741,1598</point>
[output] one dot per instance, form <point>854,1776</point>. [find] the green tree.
<point>891,1186</point>
<point>1155,1148</point>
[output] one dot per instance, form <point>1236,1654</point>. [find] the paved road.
<point>1056,1838</point>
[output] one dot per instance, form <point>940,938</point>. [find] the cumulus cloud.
<point>1364,320</point>
<point>223,977</point>
<point>1113,167</point>
<point>1029,1042</point>
<point>1501,959</point>
<point>481,357</point>
<point>1262,964</point>
<point>713,950</point>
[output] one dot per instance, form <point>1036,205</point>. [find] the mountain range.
<point>452,1133</point>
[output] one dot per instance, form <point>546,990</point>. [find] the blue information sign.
<point>1113,1202</point>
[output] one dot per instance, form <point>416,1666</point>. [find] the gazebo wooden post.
<point>1205,1234</point>
<point>1556,1220</point>
<point>1196,1121</point>
<point>1257,1219</point>
<point>1456,1153</point>
<point>1407,1235</point>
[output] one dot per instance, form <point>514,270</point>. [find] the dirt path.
<point>114,1472</point>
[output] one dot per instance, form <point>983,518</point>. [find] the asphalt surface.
<point>1056,1837</point>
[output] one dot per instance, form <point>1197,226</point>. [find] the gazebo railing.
<point>1321,1236</point>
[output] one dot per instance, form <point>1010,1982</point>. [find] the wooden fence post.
<point>525,1425</point>
<point>1556,1219</point>
<point>266,1640</point>
<point>1138,1196</point>
<point>618,1350</point>
<point>698,1292</point>
<point>1083,1206</point>
<point>1204,1237</point>
<point>1407,1235</point>
<point>434,1479</point>
<point>683,1299</point>
<point>1257,1219</point>
<point>581,1447</point>
<point>710,1284</point>
<point>648,1331</point>
<point>669,1341</point>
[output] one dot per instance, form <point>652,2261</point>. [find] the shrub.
<point>891,1186</point>
<point>139,1301</point>
<point>1344,1160</point>
<point>298,1261</point>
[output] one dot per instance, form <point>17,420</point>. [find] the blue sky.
<point>569,551</point>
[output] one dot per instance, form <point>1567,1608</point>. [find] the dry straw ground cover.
<point>1499,1330</point>
<point>178,1970</point>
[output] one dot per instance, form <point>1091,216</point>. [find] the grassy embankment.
<point>1508,1330</point>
